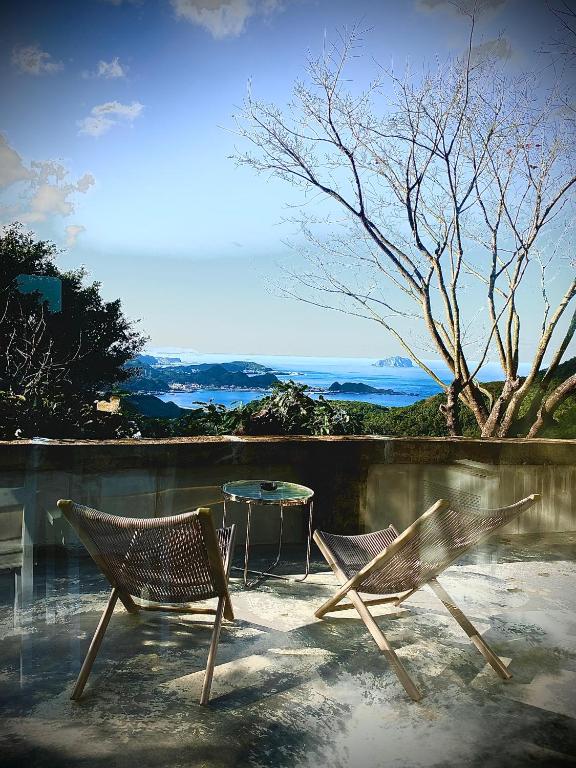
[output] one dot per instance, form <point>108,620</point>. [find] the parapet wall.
<point>360,483</point>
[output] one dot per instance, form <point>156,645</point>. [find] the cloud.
<point>102,117</point>
<point>31,60</point>
<point>499,48</point>
<point>72,232</point>
<point>460,6</point>
<point>49,196</point>
<point>223,18</point>
<point>12,168</point>
<point>40,191</point>
<point>109,70</point>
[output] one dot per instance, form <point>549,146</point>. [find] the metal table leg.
<point>247,544</point>
<point>308,541</point>
<point>268,571</point>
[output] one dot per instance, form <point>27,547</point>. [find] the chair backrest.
<point>428,546</point>
<point>168,559</point>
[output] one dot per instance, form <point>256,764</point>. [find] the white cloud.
<point>95,126</point>
<point>499,48</point>
<point>40,191</point>
<point>223,18</point>
<point>102,117</point>
<point>72,232</point>
<point>85,182</point>
<point>111,69</point>
<point>12,168</point>
<point>129,111</point>
<point>49,199</point>
<point>460,6</point>
<point>49,196</point>
<point>32,60</point>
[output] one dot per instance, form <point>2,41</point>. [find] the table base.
<point>268,572</point>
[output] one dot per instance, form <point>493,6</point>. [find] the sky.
<point>116,132</point>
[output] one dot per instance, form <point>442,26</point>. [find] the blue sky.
<point>132,103</point>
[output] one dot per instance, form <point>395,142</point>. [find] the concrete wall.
<point>398,492</point>
<point>360,483</point>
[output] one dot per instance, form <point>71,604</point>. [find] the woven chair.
<point>395,566</point>
<point>179,559</point>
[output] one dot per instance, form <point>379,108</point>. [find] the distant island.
<point>154,376</point>
<point>357,388</point>
<point>394,362</point>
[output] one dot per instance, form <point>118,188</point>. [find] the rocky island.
<point>394,362</point>
<point>357,388</point>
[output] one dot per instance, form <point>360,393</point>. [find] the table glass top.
<point>251,490</point>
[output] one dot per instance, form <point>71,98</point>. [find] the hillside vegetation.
<point>424,418</point>
<point>290,410</point>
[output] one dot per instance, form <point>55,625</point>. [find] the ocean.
<point>412,384</point>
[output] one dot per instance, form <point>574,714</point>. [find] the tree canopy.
<point>56,359</point>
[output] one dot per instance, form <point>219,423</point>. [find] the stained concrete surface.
<point>290,690</point>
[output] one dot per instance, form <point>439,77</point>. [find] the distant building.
<point>112,406</point>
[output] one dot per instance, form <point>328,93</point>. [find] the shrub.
<point>290,411</point>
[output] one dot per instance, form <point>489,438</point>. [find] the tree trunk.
<point>493,421</point>
<point>451,409</point>
<point>552,402</point>
<point>474,401</point>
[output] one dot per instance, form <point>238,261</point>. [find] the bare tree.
<point>564,44</point>
<point>455,190</point>
<point>30,365</point>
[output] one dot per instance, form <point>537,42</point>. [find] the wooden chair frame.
<point>351,587</point>
<point>220,573</point>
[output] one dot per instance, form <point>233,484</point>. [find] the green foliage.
<point>563,423</point>
<point>53,364</point>
<point>423,418</point>
<point>209,419</point>
<point>290,411</point>
<point>287,411</point>
<point>59,418</point>
<point>83,347</point>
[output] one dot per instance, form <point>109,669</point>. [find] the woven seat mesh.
<point>458,498</point>
<point>435,542</point>
<point>158,559</point>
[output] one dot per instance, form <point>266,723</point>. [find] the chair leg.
<point>368,620</point>
<point>94,646</point>
<point>333,601</point>
<point>212,652</point>
<point>384,646</point>
<point>328,606</point>
<point>476,638</point>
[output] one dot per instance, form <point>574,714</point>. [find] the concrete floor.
<point>293,691</point>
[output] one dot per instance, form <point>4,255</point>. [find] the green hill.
<point>424,418</point>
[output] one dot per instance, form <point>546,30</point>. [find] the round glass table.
<point>269,492</point>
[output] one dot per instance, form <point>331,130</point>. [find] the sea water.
<point>411,384</point>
